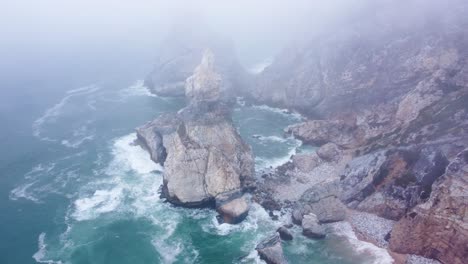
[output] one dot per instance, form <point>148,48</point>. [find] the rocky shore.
<point>389,118</point>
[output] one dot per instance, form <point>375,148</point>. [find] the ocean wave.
<point>281,111</point>
<point>137,89</point>
<point>51,114</point>
<point>257,217</point>
<point>378,255</point>
<point>262,163</point>
<point>42,250</point>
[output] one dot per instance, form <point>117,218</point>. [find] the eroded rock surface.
<point>270,250</point>
<point>439,228</point>
<point>204,158</point>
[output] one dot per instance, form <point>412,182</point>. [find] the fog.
<point>89,33</point>
<point>39,38</point>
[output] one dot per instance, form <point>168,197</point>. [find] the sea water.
<point>78,190</point>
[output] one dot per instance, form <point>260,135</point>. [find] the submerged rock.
<point>311,227</point>
<point>270,250</point>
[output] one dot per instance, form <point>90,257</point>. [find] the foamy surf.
<point>136,89</point>
<point>51,114</point>
<point>378,255</point>
<point>40,255</point>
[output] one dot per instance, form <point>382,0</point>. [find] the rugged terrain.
<point>386,102</point>
<point>206,163</point>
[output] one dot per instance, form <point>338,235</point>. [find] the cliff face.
<point>439,228</point>
<point>378,57</point>
<point>391,93</point>
<point>181,52</point>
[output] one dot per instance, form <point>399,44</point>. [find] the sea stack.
<point>206,162</point>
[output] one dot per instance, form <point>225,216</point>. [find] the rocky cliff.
<point>387,101</point>
<point>206,163</point>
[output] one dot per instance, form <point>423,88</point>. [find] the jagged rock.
<point>319,132</point>
<point>270,250</point>
<point>182,50</point>
<point>439,228</point>
<point>232,207</point>
<point>297,216</point>
<point>205,156</point>
<point>311,227</point>
<point>205,83</point>
<point>306,162</point>
<point>371,60</point>
<point>284,233</point>
<point>389,183</point>
<point>329,152</point>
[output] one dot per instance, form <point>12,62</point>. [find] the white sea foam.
<point>137,89</point>
<point>380,255</point>
<point>42,250</point>
<point>281,111</point>
<point>128,156</point>
<point>78,142</point>
<point>265,163</point>
<point>102,201</point>
<point>51,114</point>
<point>257,217</point>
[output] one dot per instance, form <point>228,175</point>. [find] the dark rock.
<point>297,216</point>
<point>270,250</point>
<point>284,233</point>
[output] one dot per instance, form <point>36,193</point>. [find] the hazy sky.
<point>39,32</point>
<point>93,22</point>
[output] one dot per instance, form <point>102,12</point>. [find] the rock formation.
<point>205,160</point>
<point>311,227</point>
<point>182,50</point>
<point>387,105</point>
<point>270,250</point>
<point>438,228</point>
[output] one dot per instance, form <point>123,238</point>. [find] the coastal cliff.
<point>385,102</point>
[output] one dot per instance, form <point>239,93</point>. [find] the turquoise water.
<point>79,191</point>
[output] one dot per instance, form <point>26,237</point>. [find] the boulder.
<point>306,162</point>
<point>311,227</point>
<point>329,152</point>
<point>322,201</point>
<point>232,207</point>
<point>270,250</point>
<point>284,233</point>
<point>297,215</point>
